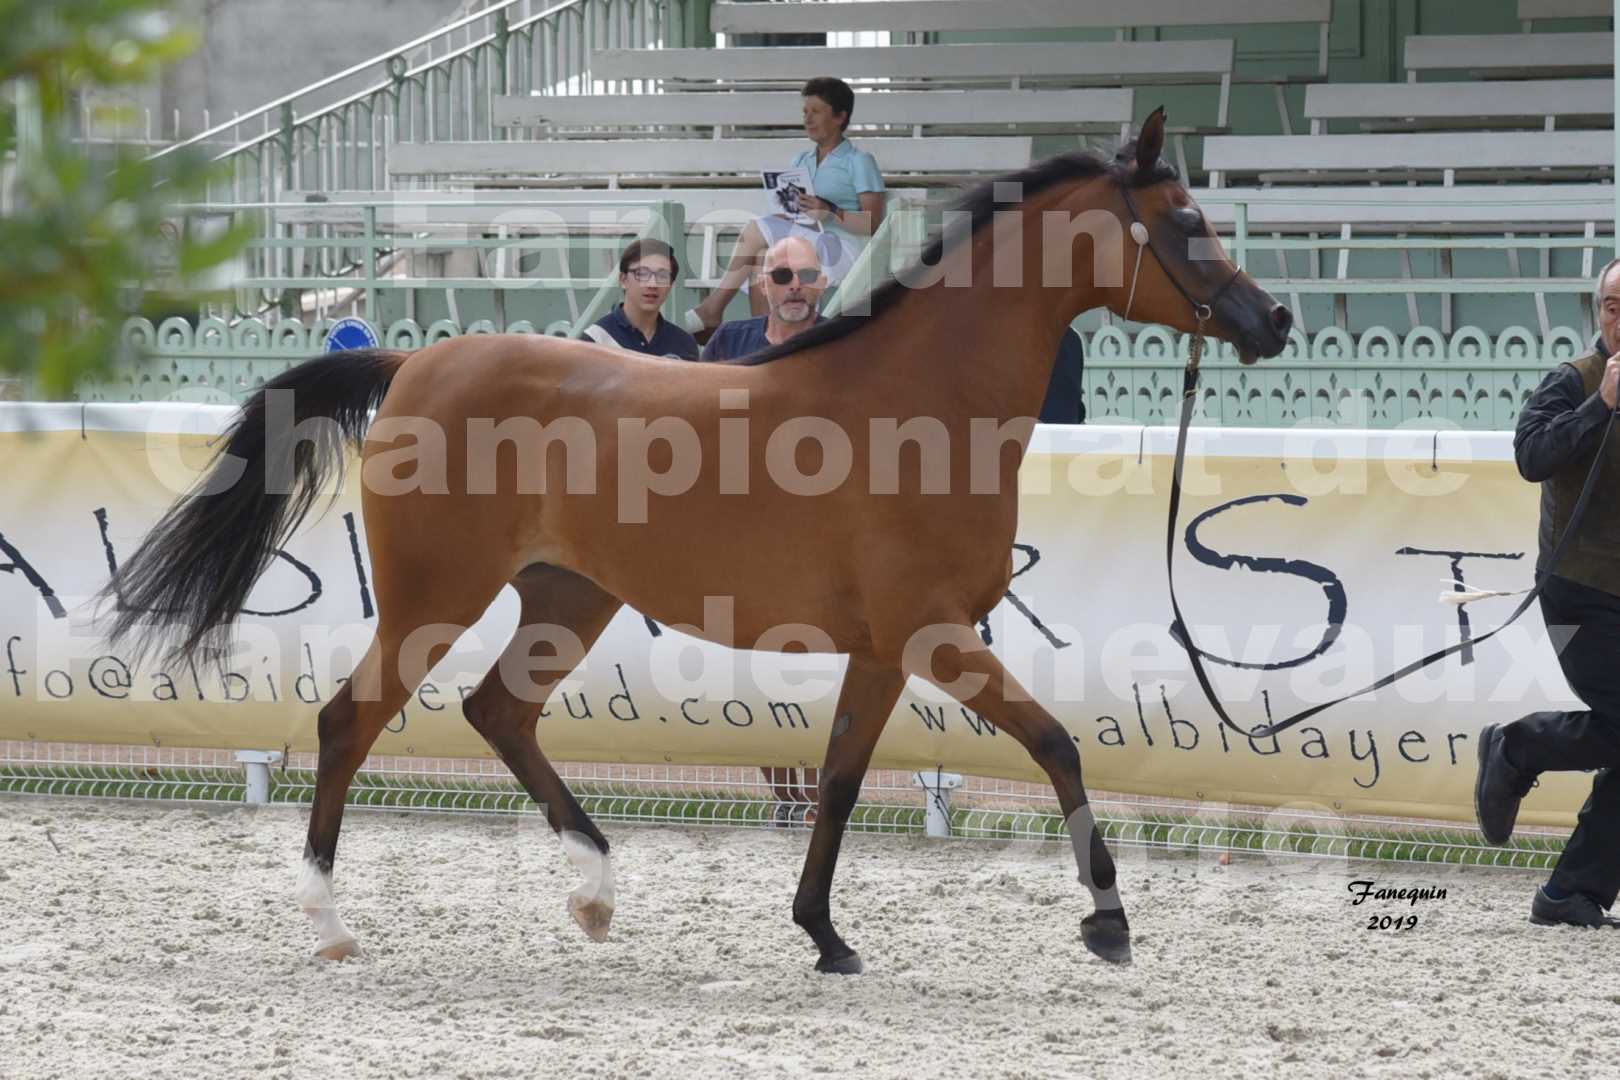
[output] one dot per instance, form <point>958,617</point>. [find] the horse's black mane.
<point>981,203</point>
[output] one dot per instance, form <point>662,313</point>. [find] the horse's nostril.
<point>1282,319</point>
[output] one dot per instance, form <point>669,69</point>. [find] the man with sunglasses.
<point>647,270</point>
<point>793,284</point>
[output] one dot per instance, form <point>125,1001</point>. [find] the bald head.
<point>794,251</point>
<point>1607,280</point>
<point>1606,300</point>
<point>793,301</point>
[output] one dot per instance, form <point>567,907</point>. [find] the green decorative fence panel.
<point>1378,379</point>
<point>1331,379</point>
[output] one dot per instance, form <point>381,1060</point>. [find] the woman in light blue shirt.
<point>847,206</point>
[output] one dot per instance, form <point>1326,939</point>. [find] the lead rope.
<point>1189,396</point>
<point>1195,656</point>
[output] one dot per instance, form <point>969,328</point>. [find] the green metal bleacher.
<point>1415,300</point>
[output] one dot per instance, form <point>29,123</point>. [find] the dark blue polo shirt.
<point>1065,398</point>
<point>739,338</point>
<point>667,340</point>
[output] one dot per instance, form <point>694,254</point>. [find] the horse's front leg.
<point>968,671</point>
<point>868,696</point>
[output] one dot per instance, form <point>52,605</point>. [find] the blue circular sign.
<point>350,333</point>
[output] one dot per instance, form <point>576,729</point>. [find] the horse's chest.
<point>991,586</point>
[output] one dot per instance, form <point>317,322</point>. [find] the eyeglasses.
<point>647,276</point>
<point>808,275</point>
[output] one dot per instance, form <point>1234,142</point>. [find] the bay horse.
<point>843,564</point>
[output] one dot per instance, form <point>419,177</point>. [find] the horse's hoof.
<point>843,965</point>
<point>1108,935</point>
<point>339,950</point>
<point>593,916</point>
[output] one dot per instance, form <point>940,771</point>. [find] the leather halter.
<point>1179,629</point>
<point>1202,311</point>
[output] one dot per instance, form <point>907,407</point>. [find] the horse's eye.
<point>1187,219</point>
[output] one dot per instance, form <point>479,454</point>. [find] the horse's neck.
<point>987,350</point>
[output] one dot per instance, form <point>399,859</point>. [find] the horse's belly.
<point>767,599</point>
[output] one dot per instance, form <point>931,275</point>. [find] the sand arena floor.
<point>142,940</point>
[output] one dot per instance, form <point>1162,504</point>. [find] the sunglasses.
<point>646,276</point>
<point>807,275</point>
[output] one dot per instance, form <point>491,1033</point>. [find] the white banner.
<point>1285,536</point>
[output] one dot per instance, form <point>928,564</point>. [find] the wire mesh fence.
<point>981,808</point>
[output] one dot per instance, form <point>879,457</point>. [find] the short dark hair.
<point>638,249</point>
<point>835,92</point>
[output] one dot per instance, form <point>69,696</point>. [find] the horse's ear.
<point>1150,144</point>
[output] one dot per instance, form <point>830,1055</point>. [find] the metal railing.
<point>101,123</point>
<point>1305,261</point>
<point>981,808</point>
<point>1416,253</point>
<point>1379,379</point>
<point>431,88</point>
<point>524,258</point>
<point>377,257</point>
<point>1430,277</point>
<point>1385,374</point>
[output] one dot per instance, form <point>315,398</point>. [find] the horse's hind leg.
<point>356,715</point>
<point>972,674</point>
<point>346,733</point>
<point>562,616</point>
<point>864,703</point>
<point>347,730</point>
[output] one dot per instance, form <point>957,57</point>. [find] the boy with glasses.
<point>647,270</point>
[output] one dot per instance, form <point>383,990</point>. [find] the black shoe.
<point>1577,909</point>
<point>1498,788</point>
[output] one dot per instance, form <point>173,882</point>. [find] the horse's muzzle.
<point>1268,338</point>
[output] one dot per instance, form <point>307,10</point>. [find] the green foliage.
<point>82,233</point>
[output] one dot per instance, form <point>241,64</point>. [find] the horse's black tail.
<point>178,595</point>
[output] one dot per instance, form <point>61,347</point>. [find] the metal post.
<point>672,215</point>
<point>290,259</point>
<point>498,74</point>
<point>937,787</point>
<point>698,33</point>
<point>853,295</point>
<point>1240,231</point>
<point>256,763</point>
<point>370,241</point>
<point>288,147</point>
<point>674,35</point>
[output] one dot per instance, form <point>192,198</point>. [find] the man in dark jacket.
<point>1555,445</point>
<point>1065,392</point>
